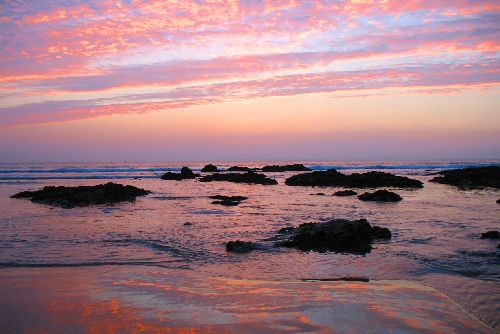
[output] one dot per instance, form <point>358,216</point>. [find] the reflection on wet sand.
<point>154,300</point>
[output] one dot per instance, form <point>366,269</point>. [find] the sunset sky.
<point>240,80</point>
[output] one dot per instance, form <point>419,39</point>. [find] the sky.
<point>249,80</point>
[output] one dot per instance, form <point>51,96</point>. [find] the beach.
<point>159,263</point>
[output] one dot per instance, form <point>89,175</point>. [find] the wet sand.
<point>142,299</point>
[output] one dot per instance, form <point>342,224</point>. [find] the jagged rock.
<point>286,168</point>
<point>339,235</point>
<point>240,246</point>
<point>238,169</point>
<point>210,169</point>
<point>345,193</point>
<point>471,178</point>
<point>490,235</point>
<point>185,174</point>
<point>250,177</point>
<point>70,197</point>
<point>333,178</point>
<point>380,196</point>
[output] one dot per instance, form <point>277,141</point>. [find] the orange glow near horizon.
<point>194,71</point>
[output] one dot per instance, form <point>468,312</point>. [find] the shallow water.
<point>435,229</point>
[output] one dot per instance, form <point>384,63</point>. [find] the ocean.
<point>435,230</point>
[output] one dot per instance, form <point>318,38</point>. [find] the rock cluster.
<point>70,197</point>
<point>471,178</point>
<point>333,178</point>
<point>250,178</point>
<point>337,235</point>
<point>185,174</point>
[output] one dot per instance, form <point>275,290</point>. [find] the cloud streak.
<point>144,56</point>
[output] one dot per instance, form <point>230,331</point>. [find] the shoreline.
<point>147,299</point>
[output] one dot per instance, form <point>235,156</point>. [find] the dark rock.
<point>470,178</point>
<point>188,224</point>
<point>250,177</point>
<point>338,235</point>
<point>490,235</point>
<point>229,198</point>
<point>226,203</point>
<point>286,168</point>
<point>381,196</point>
<point>210,169</point>
<point>185,174</point>
<point>333,178</point>
<point>238,169</point>
<point>240,246</point>
<point>498,201</point>
<point>319,194</point>
<point>345,193</point>
<point>69,197</point>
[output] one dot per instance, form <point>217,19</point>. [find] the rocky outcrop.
<point>210,169</point>
<point>286,168</point>
<point>70,197</point>
<point>238,169</point>
<point>345,193</point>
<point>338,235</point>
<point>185,174</point>
<point>471,178</point>
<point>490,235</point>
<point>239,246</point>
<point>228,200</point>
<point>333,178</point>
<point>380,196</point>
<point>250,178</point>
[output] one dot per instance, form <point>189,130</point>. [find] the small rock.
<point>240,246</point>
<point>345,193</point>
<point>210,169</point>
<point>490,235</point>
<point>380,196</point>
<point>188,224</point>
<point>319,194</point>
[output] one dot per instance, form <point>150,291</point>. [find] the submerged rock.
<point>490,235</point>
<point>470,178</point>
<point>345,193</point>
<point>381,196</point>
<point>333,178</point>
<point>185,174</point>
<point>70,197</point>
<point>239,246</point>
<point>338,235</point>
<point>286,168</point>
<point>238,169</point>
<point>250,177</point>
<point>210,169</point>
<point>229,198</point>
